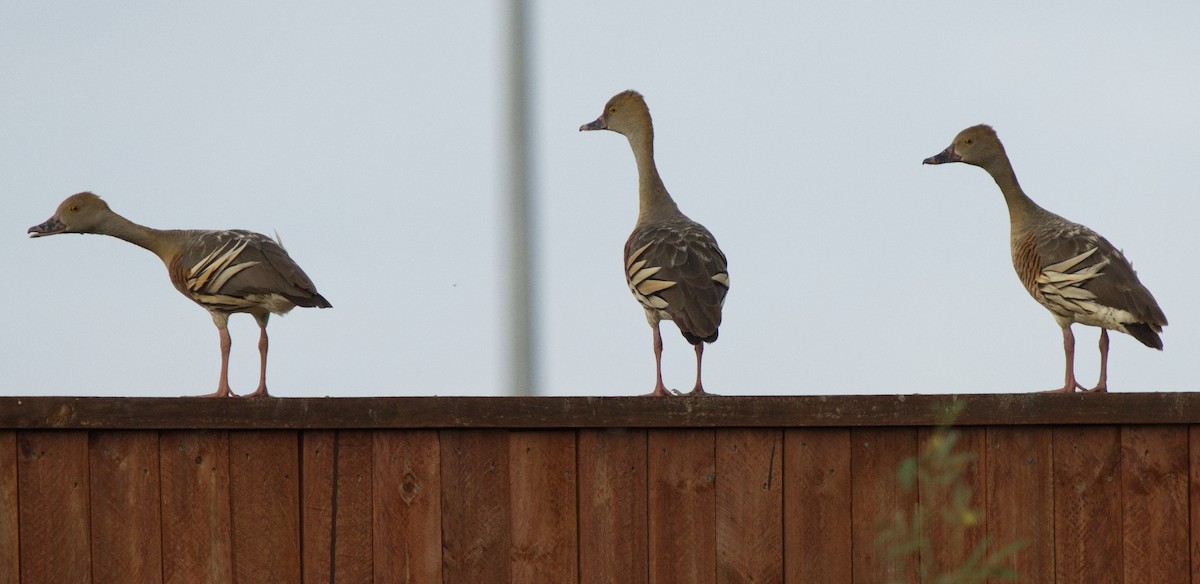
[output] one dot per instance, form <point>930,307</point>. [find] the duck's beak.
<point>52,226</point>
<point>596,125</point>
<point>947,155</point>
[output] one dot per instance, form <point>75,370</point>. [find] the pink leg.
<point>223,389</point>
<point>262,355</point>
<point>1102,386</point>
<point>659,388</point>
<point>1069,351</point>
<point>699,388</point>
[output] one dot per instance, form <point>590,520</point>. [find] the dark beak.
<point>947,155</point>
<point>596,125</point>
<point>50,227</point>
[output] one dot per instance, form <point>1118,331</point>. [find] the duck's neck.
<point>1020,207</point>
<point>161,242</point>
<point>654,203</point>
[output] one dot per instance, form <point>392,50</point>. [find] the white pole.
<point>520,330</point>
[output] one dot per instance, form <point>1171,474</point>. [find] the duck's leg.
<point>222,322</point>
<point>1102,386</point>
<point>262,355</point>
<point>659,388</point>
<point>699,388</point>
<point>1070,385</point>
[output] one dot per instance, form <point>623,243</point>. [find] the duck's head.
<point>977,145</point>
<point>81,213</point>
<point>626,113</point>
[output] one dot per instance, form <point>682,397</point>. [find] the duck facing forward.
<point>672,264</point>
<point>1068,268</point>
<point>226,272</point>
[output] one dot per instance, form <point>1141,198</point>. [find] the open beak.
<point>947,155</point>
<point>596,125</point>
<point>52,226</point>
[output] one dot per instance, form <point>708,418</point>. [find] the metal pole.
<point>520,330</point>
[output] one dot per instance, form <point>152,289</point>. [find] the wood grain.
<point>10,551</point>
<point>682,506</point>
<point>876,456</point>
<point>954,539</point>
<point>196,532</point>
<point>1154,493</point>
<point>53,484</point>
<point>336,531</point>
<point>1087,505</point>
<point>596,412</point>
<point>545,545</point>
<point>475,507</point>
<point>749,504</point>
<point>817,497</point>
<point>126,535</point>
<point>407,501</point>
<point>613,528</point>
<point>264,479</point>
<point>1020,499</point>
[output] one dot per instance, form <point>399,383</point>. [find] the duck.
<point>673,265</point>
<point>225,271</point>
<point>1068,268</point>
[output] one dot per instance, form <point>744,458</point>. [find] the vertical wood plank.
<point>52,475</point>
<point>344,547</point>
<point>817,506</point>
<point>475,506</point>
<point>953,539</point>
<point>877,454</point>
<point>545,548</point>
<point>264,483</point>
<point>1154,489</point>
<point>613,529</point>
<point>408,506</point>
<point>1194,499</point>
<point>682,506</point>
<point>749,504</point>
<point>196,534</point>
<point>1087,504</point>
<point>10,551</point>
<point>126,534</point>
<point>1020,499</point>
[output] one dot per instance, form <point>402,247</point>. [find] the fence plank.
<point>195,506</point>
<point>953,539</point>
<point>264,479</point>
<point>749,504</point>
<point>545,548</point>
<point>1194,500</point>
<point>1154,490</point>
<point>613,536</point>
<point>816,501</point>
<point>348,548</point>
<point>1087,504</point>
<point>52,475</point>
<point>682,506</point>
<point>10,551</point>
<point>1020,499</point>
<point>876,456</point>
<point>407,506</point>
<point>475,507</point>
<point>126,536</point>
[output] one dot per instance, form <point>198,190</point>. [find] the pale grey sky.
<point>371,136</point>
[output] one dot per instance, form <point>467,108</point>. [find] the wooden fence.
<point>1100,488</point>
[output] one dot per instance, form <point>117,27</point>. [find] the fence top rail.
<point>104,413</point>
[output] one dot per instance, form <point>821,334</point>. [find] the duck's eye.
<point>74,209</point>
<point>612,110</point>
<point>970,141</point>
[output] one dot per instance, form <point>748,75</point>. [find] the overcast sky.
<point>371,136</point>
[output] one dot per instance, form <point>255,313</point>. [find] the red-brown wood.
<point>196,534</point>
<point>545,548</point>
<point>682,506</point>
<point>1087,505</point>
<point>52,471</point>
<point>264,482</point>
<point>351,557</point>
<point>407,502</point>
<point>613,529</point>
<point>749,503</point>
<point>954,539</point>
<point>1194,500</point>
<point>1154,485</point>
<point>876,456</point>
<point>126,536</point>
<point>475,507</point>
<point>10,551</point>
<point>1020,499</point>
<point>817,506</point>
